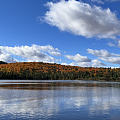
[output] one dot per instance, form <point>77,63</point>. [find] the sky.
<point>82,33</point>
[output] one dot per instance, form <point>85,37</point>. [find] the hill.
<point>48,71</point>
<point>1,62</point>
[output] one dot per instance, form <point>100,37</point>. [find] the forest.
<point>52,71</point>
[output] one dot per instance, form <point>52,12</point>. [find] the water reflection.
<point>61,103</point>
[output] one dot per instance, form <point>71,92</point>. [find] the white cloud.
<point>111,44</point>
<point>98,1</point>
<point>102,53</point>
<point>84,64</point>
<point>93,63</point>
<point>64,64</point>
<point>33,50</point>
<point>34,53</point>
<point>103,1</point>
<point>97,63</point>
<point>7,58</point>
<point>118,43</point>
<point>105,56</point>
<point>82,19</point>
<point>84,61</point>
<point>73,64</point>
<point>114,44</point>
<point>112,0</point>
<point>78,58</point>
<point>99,53</point>
<point>114,60</point>
<point>81,64</point>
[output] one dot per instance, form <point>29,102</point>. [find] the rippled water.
<point>59,100</point>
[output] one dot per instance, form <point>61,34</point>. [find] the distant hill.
<point>1,62</point>
<point>48,71</point>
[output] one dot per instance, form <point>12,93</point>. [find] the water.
<point>59,100</point>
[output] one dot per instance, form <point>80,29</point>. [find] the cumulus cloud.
<point>103,1</point>
<point>98,1</point>
<point>102,53</point>
<point>33,50</point>
<point>84,64</point>
<point>111,44</point>
<point>99,53</point>
<point>112,0</point>
<point>97,63</point>
<point>83,19</point>
<point>78,58</point>
<point>81,64</point>
<point>34,53</point>
<point>64,63</point>
<point>114,60</point>
<point>118,43</point>
<point>7,58</point>
<point>105,56</point>
<point>93,63</point>
<point>114,44</point>
<point>84,61</point>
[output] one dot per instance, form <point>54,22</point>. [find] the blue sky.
<point>82,32</point>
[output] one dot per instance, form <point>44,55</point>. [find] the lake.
<point>59,100</point>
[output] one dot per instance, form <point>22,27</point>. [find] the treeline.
<point>47,71</point>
